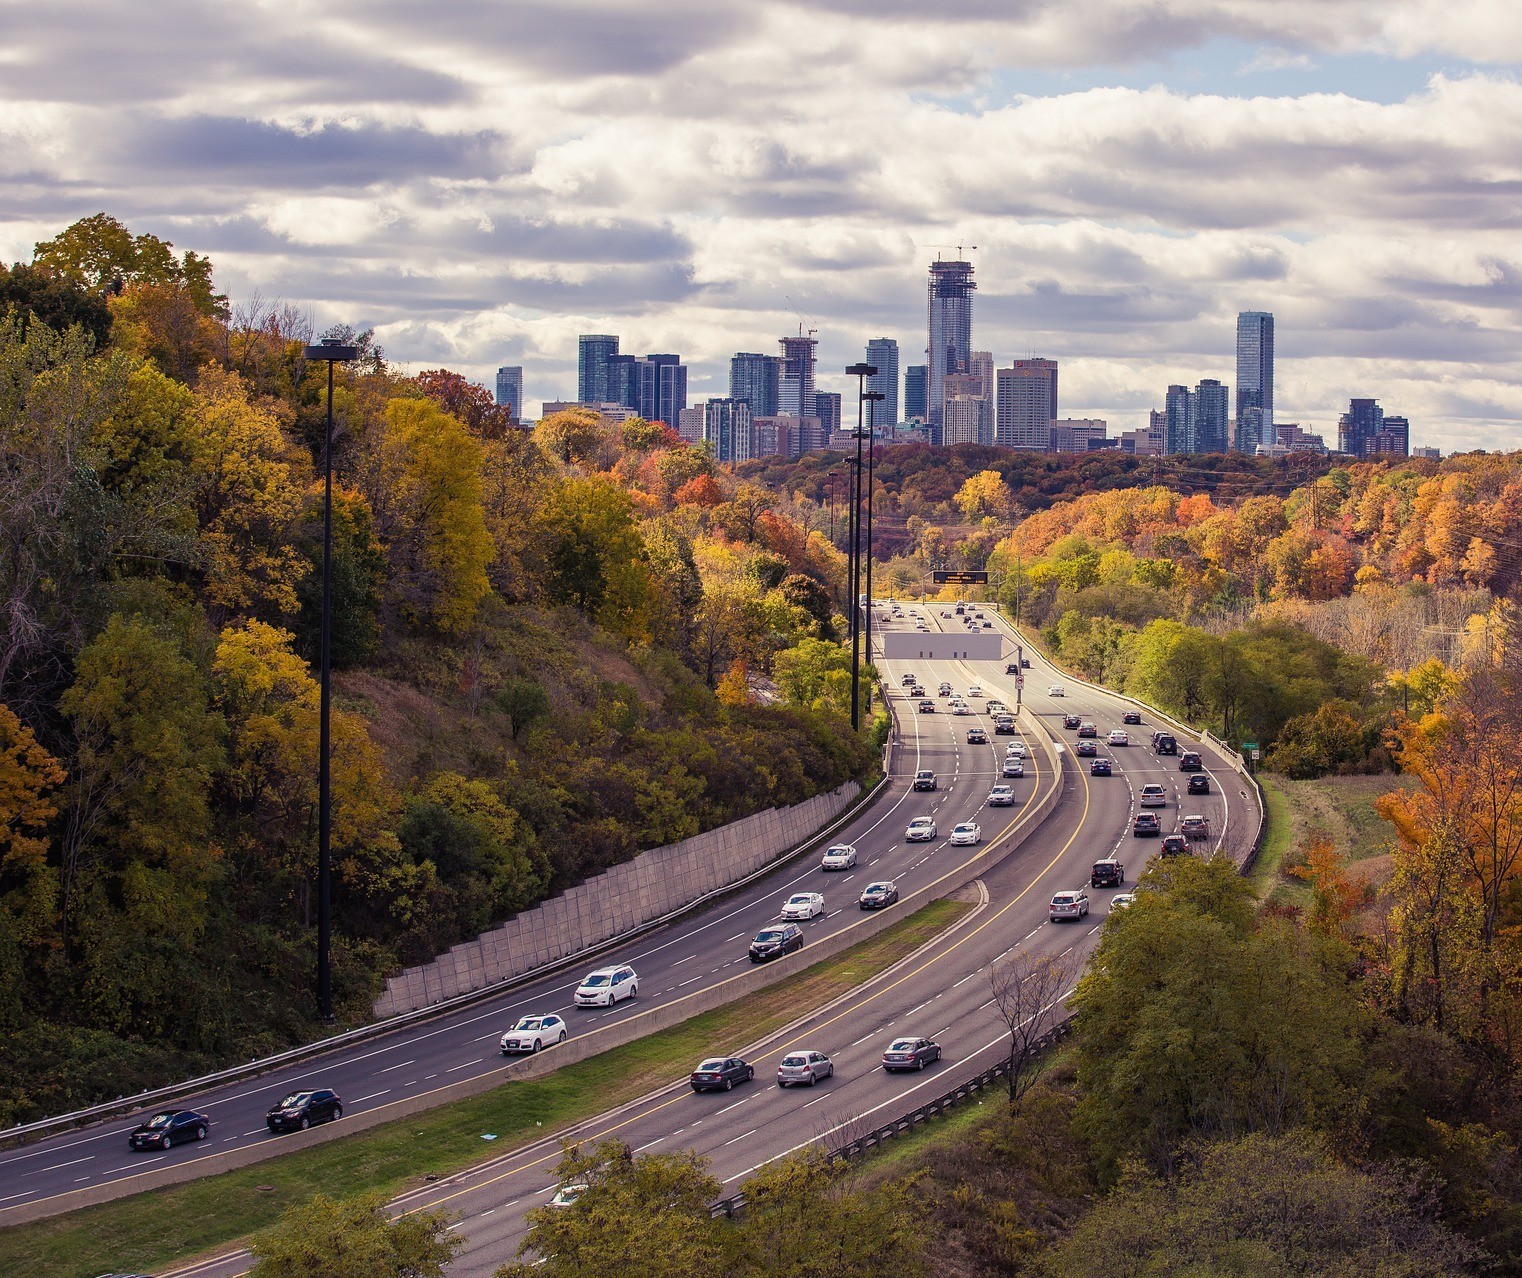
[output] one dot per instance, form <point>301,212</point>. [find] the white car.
<point>1152,796</point>
<point>1015,750</point>
<point>567,1195</point>
<point>533,1034</point>
<point>607,986</point>
<point>1122,901</point>
<point>966,832</point>
<point>1068,905</point>
<point>803,905</point>
<point>921,830</point>
<point>974,691</point>
<point>1013,767</point>
<point>1001,796</point>
<point>1056,690</point>
<point>840,857</point>
<point>1119,737</point>
<point>996,707</point>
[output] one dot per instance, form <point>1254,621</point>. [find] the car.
<point>920,830</point>
<point>966,833</point>
<point>924,779</point>
<point>1122,901</point>
<point>1153,796</point>
<point>720,1074</point>
<point>961,608</point>
<point>1195,827</point>
<point>945,612</point>
<point>1119,737</point>
<point>910,1053</point>
<point>1099,767</point>
<point>1146,823</point>
<point>1086,749</point>
<point>944,690</point>
<point>803,905</point>
<point>923,628</point>
<point>1189,761</point>
<point>908,679</point>
<point>839,856</point>
<point>1025,663</point>
<point>877,896</point>
<point>976,736</point>
<point>1014,766</point>
<point>1107,873</point>
<point>1056,690</point>
<point>1015,749</point>
<point>533,1034</point>
<point>1131,716</point>
<point>169,1127</point>
<point>1199,783</point>
<point>1004,725</point>
<point>775,941</point>
<point>1164,743</point>
<point>926,706</point>
<point>996,707</point>
<point>1011,667</point>
<point>1174,845</point>
<point>1088,728</point>
<point>1071,720</point>
<point>804,1067</point>
<point>978,615</point>
<point>567,1195</point>
<point>960,707</point>
<point>300,1110</point>
<point>974,690</point>
<point>988,625</point>
<point>1001,796</point>
<point>1068,905</point>
<point>607,986</point>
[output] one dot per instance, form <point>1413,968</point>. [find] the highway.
<point>942,992</point>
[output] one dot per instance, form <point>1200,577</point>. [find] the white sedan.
<point>1015,750</point>
<point>1056,690</point>
<point>965,832</point>
<point>921,830</point>
<point>1119,737</point>
<point>533,1034</point>
<point>803,905</point>
<point>840,857</point>
<point>974,691</point>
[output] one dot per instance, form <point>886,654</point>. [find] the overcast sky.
<point>485,179</point>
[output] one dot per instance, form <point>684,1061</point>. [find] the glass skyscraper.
<point>882,354</point>
<point>593,350</point>
<point>1255,380</point>
<point>916,377</point>
<point>795,385</point>
<point>949,306</point>
<point>753,378</point>
<point>510,389</point>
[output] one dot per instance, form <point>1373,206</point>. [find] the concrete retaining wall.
<point>652,885</point>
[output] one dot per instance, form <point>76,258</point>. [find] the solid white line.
<point>362,1099</point>
<point>60,1166</point>
<point>389,1068</point>
<point>751,1132</point>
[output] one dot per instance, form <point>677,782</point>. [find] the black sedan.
<point>910,1053</point>
<point>1131,716</point>
<point>720,1073</point>
<point>1099,768</point>
<point>167,1128</point>
<point>875,896</point>
<point>1086,749</point>
<point>1071,721</point>
<point>301,1110</point>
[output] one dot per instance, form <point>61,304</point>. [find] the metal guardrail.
<point>859,1146</point>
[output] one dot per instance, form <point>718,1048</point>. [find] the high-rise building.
<point>654,386</point>
<point>916,392</point>
<point>1211,406</point>
<point>1073,434</point>
<point>949,306</point>
<point>961,417</point>
<point>753,378</point>
<point>882,354</point>
<point>1357,427</point>
<point>1392,440</point>
<point>690,425</point>
<point>1255,381</point>
<point>795,383</point>
<point>1027,404</point>
<point>1178,425</point>
<point>592,353</point>
<point>726,429</point>
<point>967,388</point>
<point>827,409</point>
<point>670,389</point>
<point>510,389</point>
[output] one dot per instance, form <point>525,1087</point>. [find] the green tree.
<point>523,701</point>
<point>100,251</point>
<point>60,303</point>
<point>593,554</point>
<point>355,1238</point>
<point>814,675</point>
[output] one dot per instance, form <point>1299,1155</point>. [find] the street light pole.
<point>872,398</point>
<point>833,477</point>
<point>861,372</point>
<point>331,351</point>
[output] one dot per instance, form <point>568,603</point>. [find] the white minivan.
<point>607,986</point>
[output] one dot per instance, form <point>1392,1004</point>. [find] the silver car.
<point>804,1067</point>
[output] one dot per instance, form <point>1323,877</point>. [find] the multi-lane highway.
<point>943,992</point>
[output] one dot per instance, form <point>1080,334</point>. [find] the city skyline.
<point>481,191</point>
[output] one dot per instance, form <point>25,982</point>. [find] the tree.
<point>594,557</point>
<point>355,1238</point>
<point>523,701</point>
<point>471,405</point>
<point>29,775</point>
<point>1028,990</point>
<point>99,252</point>
<point>575,437</point>
<point>985,495</point>
<point>816,674</point>
<point>54,300</point>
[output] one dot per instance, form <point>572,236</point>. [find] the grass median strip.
<point>155,1230</point>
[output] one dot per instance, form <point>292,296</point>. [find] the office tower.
<point>882,354</point>
<point>754,379</point>
<point>690,425</point>
<point>981,366</point>
<point>670,389</point>
<point>1073,434</point>
<point>961,416</point>
<point>916,387</point>
<point>510,389</point>
<point>1178,426</point>
<point>827,409</point>
<point>807,435</point>
<point>726,429</point>
<point>966,388</point>
<point>775,436</point>
<point>654,386</point>
<point>592,353</point>
<point>949,306</point>
<point>1255,381</point>
<point>1027,404</point>
<point>795,383</point>
<point>1211,405</point>
<point>1357,427</point>
<point>1393,440</point>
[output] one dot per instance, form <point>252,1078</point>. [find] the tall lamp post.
<point>861,372</point>
<point>873,398</point>
<point>331,351</point>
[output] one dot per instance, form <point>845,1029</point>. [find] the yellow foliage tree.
<point>28,776</point>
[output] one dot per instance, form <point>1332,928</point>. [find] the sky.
<point>483,181</point>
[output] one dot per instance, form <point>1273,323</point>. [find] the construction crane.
<point>959,248</point>
<point>800,315</point>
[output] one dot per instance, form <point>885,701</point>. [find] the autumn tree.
<point>593,556</point>
<point>355,1238</point>
<point>29,781</point>
<point>984,496</point>
<point>53,300</point>
<point>100,252</point>
<point>470,404</point>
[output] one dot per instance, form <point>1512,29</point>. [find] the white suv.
<point>1068,905</point>
<point>607,986</point>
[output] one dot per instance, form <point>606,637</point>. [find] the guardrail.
<point>859,1146</point>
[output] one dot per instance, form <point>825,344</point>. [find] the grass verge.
<point>154,1230</point>
<point>1267,871</point>
<point>1340,807</point>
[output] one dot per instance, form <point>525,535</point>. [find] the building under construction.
<point>950,322</point>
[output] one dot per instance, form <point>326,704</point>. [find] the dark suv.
<point>1107,873</point>
<point>1164,743</point>
<point>775,941</point>
<point>1189,761</point>
<point>1174,845</point>
<point>924,779</point>
<point>300,1110</point>
<point>1199,783</point>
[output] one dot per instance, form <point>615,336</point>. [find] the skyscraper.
<point>1195,421</point>
<point>882,354</point>
<point>1178,426</point>
<point>827,409</point>
<point>670,389</point>
<point>981,366</point>
<point>1365,431</point>
<point>726,429</point>
<point>949,306</point>
<point>795,384</point>
<point>916,381</point>
<point>1027,404</point>
<point>1255,381</point>
<point>654,386</point>
<point>754,379</point>
<point>510,389</point>
<point>592,353</point>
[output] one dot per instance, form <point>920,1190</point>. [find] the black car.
<point>1011,668</point>
<point>1131,716</point>
<point>720,1073</point>
<point>1088,729</point>
<point>1107,873</point>
<point>976,736</point>
<point>300,1110</point>
<point>775,941</point>
<point>1099,767</point>
<point>1199,783</point>
<point>1189,761</point>
<point>1174,845</point>
<point>169,1127</point>
<point>1164,743</point>
<point>1004,726</point>
<point>924,779</point>
<point>1146,823</point>
<point>1071,721</point>
<point>1025,662</point>
<point>875,896</point>
<point>1086,749</point>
